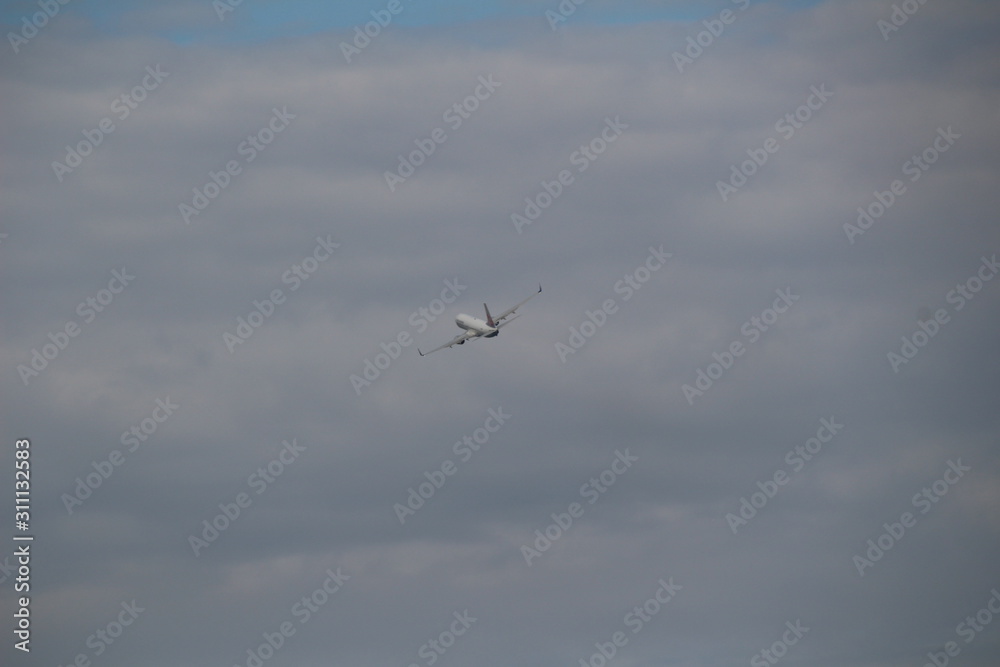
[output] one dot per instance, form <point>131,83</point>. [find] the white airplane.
<point>477,328</point>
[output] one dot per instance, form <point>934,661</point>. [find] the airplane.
<point>476,328</point>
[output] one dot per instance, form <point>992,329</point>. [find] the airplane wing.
<point>510,311</point>
<point>460,338</point>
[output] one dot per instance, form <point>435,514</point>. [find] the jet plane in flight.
<point>473,327</point>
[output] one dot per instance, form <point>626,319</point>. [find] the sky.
<point>750,418</point>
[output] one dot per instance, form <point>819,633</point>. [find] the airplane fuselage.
<point>473,327</point>
<point>470,323</point>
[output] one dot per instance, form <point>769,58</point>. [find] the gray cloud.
<point>825,357</point>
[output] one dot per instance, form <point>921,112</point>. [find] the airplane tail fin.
<point>489,318</point>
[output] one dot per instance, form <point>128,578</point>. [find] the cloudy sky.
<point>750,419</point>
